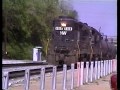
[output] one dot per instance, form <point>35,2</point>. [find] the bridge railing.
<point>84,74</point>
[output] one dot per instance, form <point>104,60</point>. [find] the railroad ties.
<point>67,79</point>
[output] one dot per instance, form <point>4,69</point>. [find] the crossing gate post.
<point>27,79</point>
<point>81,74</point>
<point>54,78</point>
<point>91,72</point>
<point>42,79</point>
<point>78,74</point>
<point>72,76</point>
<point>64,76</point>
<point>95,74</point>
<point>5,80</point>
<point>87,66</point>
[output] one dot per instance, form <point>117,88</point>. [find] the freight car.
<point>73,41</point>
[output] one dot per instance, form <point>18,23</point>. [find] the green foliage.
<point>28,23</point>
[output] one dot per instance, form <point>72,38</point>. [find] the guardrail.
<point>84,75</point>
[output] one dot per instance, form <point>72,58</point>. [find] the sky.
<point>98,13</point>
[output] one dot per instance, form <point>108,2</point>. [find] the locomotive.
<point>74,41</point>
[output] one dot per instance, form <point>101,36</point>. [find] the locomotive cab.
<point>64,35</point>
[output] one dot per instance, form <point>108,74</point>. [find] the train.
<point>74,41</point>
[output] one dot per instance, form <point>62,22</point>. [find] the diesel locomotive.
<point>73,41</point>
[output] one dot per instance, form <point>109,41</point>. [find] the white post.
<point>101,65</point>
<point>96,70</point>
<point>82,67</point>
<point>27,79</point>
<point>84,74</point>
<point>110,66</point>
<point>104,65</point>
<point>54,78</point>
<point>72,76</point>
<point>64,76</point>
<point>78,74</point>
<point>116,65</point>
<point>107,67</point>
<point>5,80</point>
<point>87,66</point>
<point>91,73</point>
<point>42,79</point>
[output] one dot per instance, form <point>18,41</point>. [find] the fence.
<point>84,74</point>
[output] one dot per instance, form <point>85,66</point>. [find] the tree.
<point>28,23</point>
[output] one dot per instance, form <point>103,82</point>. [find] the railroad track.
<point>23,64</point>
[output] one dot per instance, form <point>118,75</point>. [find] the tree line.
<point>28,23</point>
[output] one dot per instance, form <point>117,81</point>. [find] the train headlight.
<point>63,24</point>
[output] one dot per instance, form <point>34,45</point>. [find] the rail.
<point>84,75</point>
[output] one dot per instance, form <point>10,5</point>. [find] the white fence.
<point>84,75</point>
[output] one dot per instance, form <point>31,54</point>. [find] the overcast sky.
<point>98,13</point>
